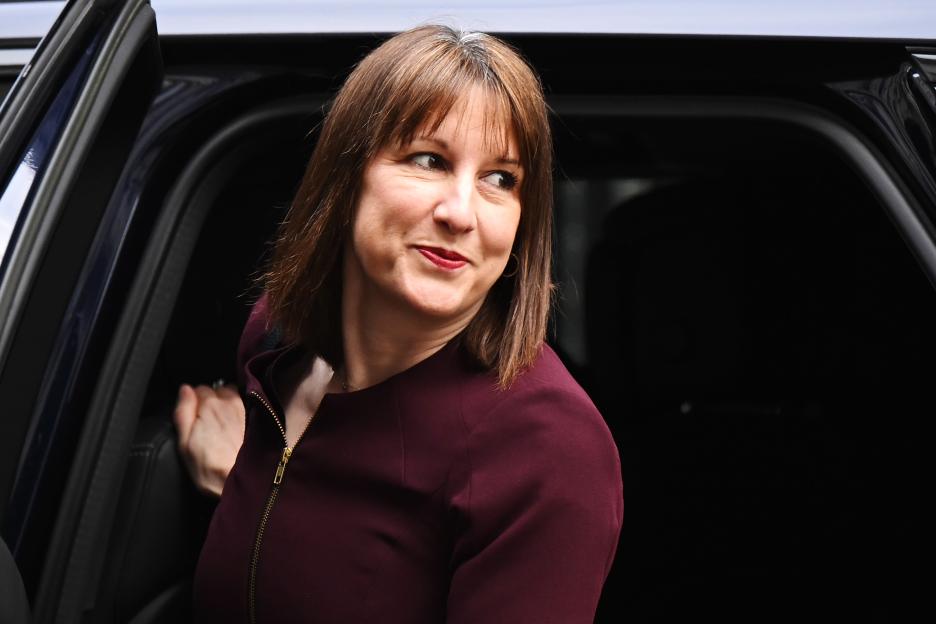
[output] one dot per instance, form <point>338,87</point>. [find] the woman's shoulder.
<point>546,379</point>
<point>546,404</point>
<point>549,375</point>
<point>544,442</point>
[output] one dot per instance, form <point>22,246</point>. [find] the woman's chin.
<point>441,304</point>
<point>439,310</point>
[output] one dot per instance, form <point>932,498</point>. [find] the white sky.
<point>902,19</point>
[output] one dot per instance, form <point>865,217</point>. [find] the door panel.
<point>66,129</point>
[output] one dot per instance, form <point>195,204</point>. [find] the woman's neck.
<point>380,342</point>
<point>383,337</point>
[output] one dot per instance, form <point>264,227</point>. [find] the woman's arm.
<point>541,509</point>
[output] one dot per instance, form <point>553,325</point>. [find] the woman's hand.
<point>210,423</point>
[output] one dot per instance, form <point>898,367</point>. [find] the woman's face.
<point>436,219</point>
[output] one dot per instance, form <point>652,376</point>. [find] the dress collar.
<point>263,369</point>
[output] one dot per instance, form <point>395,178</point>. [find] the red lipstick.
<point>443,258</point>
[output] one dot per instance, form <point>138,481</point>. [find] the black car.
<point>746,253</point>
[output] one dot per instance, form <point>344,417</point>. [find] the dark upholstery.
<point>744,347</point>
<point>14,606</point>
<point>159,531</point>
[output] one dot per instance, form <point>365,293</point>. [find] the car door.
<point>66,128</point>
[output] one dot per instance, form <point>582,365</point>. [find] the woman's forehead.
<point>475,112</point>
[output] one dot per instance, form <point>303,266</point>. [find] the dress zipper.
<point>274,492</point>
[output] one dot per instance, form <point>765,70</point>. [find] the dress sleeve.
<point>540,510</point>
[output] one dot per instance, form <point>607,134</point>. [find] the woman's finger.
<point>204,394</point>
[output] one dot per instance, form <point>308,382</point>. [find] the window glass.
<point>24,178</point>
<point>757,336</point>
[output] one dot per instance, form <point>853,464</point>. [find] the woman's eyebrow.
<point>432,139</point>
<point>501,160</point>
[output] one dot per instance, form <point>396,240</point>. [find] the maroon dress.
<point>429,497</point>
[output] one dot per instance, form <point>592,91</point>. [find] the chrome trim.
<point>927,63</point>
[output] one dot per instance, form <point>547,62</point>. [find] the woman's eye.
<point>502,180</point>
<point>428,161</point>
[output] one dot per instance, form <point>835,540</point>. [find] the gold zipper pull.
<point>281,467</point>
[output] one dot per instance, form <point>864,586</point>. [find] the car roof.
<point>907,20</point>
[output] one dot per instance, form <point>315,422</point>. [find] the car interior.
<point>732,295</point>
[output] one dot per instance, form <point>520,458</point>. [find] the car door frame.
<point>55,227</point>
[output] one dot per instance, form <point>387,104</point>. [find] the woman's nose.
<point>454,207</point>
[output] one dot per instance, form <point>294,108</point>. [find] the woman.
<point>413,451</point>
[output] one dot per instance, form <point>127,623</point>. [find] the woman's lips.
<point>443,258</point>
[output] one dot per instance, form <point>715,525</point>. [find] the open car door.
<point>66,128</point>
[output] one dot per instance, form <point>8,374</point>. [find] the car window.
<point>756,334</point>
<point>22,25</point>
<point>11,62</point>
<point>15,194</point>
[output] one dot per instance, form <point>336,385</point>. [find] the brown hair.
<point>407,84</point>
